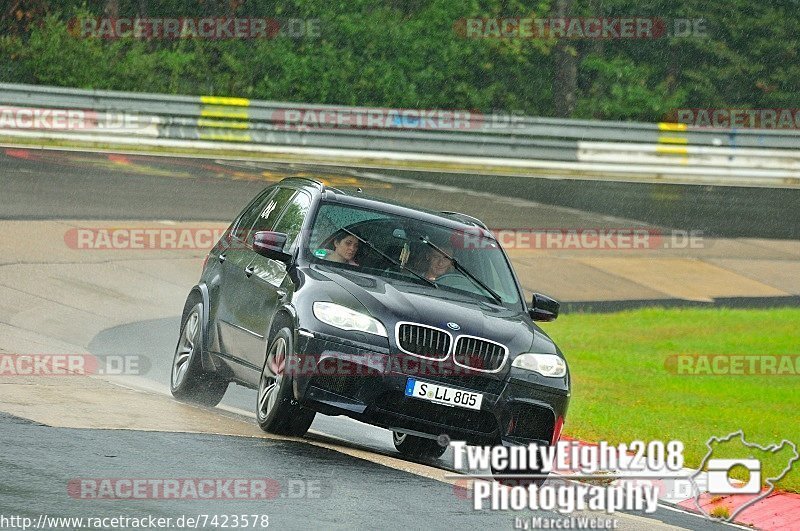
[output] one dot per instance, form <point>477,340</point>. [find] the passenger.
<point>345,247</point>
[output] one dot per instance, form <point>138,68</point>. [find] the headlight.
<point>347,319</point>
<point>545,364</point>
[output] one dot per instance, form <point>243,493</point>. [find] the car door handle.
<point>249,271</point>
<point>281,294</point>
<point>222,258</point>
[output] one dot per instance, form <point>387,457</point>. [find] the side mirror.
<point>543,308</point>
<point>270,244</point>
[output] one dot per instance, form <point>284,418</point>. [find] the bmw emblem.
<point>453,326</point>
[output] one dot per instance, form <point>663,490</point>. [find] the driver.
<point>438,264</point>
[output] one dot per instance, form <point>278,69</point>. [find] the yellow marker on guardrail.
<point>673,144</point>
<point>669,126</point>
<point>672,150</point>
<point>673,140</point>
<point>234,114</point>
<point>221,100</point>
<point>217,111</point>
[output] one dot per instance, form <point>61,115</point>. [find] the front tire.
<point>417,447</point>
<point>188,381</point>
<point>276,409</point>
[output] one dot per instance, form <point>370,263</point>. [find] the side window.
<point>250,213</point>
<point>331,217</point>
<point>292,219</point>
<point>268,212</point>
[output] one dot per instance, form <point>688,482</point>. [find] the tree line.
<point>563,58</point>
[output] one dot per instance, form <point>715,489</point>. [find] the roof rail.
<point>466,217</point>
<point>307,179</point>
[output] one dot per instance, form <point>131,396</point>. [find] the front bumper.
<point>368,384</point>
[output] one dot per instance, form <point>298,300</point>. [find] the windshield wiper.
<point>389,258</point>
<point>464,271</point>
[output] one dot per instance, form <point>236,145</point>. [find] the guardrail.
<point>459,141</point>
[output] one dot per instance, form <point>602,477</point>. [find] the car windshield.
<point>403,249</point>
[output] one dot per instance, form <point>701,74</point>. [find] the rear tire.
<point>276,409</point>
<point>417,447</point>
<point>188,381</point>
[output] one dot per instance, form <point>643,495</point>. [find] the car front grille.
<point>424,341</point>
<point>480,354</point>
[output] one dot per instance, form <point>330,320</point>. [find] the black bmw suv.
<point>339,304</point>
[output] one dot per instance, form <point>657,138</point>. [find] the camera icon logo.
<point>712,481</point>
<point>719,480</point>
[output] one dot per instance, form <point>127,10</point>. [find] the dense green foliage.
<point>410,53</point>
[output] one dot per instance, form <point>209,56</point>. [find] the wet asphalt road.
<point>33,179</point>
<point>307,486</point>
<point>65,185</point>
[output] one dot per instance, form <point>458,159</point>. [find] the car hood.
<point>402,301</point>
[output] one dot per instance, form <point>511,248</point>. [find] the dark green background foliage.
<point>406,53</point>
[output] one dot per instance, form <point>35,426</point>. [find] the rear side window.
<point>291,221</point>
<point>268,213</point>
<point>248,216</point>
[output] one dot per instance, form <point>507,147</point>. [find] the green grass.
<point>622,389</point>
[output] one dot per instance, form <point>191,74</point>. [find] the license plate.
<point>442,394</point>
